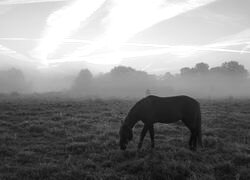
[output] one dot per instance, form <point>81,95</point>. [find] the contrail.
<point>18,39</point>
<point>11,53</point>
<point>10,2</point>
<point>128,17</point>
<point>39,39</point>
<point>175,50</point>
<point>62,23</point>
<point>179,50</point>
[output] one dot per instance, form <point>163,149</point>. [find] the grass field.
<point>78,139</point>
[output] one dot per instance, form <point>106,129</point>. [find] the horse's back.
<point>180,103</point>
<point>168,109</point>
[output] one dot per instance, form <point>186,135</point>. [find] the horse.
<point>154,109</point>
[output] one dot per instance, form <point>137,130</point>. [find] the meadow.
<point>56,138</point>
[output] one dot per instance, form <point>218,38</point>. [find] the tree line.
<point>13,81</point>
<point>229,79</point>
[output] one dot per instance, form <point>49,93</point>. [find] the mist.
<point>13,80</point>
<point>228,80</point>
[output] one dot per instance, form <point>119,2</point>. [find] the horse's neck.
<point>130,121</point>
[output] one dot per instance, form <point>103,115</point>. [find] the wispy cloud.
<point>239,39</point>
<point>11,2</point>
<point>18,39</point>
<point>68,40</point>
<point>11,53</point>
<point>125,19</point>
<point>62,23</point>
<point>128,17</point>
<point>114,56</point>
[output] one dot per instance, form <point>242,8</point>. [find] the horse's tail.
<point>199,135</point>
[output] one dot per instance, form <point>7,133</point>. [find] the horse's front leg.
<point>143,133</point>
<point>152,135</point>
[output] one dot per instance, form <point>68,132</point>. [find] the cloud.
<point>113,57</point>
<point>240,38</point>
<point>245,48</point>
<point>68,40</point>
<point>62,23</point>
<point>11,53</point>
<point>11,2</point>
<point>126,18</point>
<point>18,39</point>
<point>5,9</point>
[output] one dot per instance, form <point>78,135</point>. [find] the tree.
<point>83,81</point>
<point>168,76</point>
<point>186,71</point>
<point>201,68</point>
<point>13,80</point>
<point>233,68</point>
<point>128,74</point>
<point>84,76</point>
<point>121,71</point>
<point>216,70</point>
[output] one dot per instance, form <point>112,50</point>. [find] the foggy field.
<point>78,139</point>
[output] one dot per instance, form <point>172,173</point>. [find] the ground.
<point>78,139</point>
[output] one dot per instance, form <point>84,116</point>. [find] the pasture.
<point>78,139</point>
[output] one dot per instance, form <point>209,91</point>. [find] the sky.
<point>151,35</point>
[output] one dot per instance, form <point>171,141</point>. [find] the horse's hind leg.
<point>199,139</point>
<point>143,133</point>
<point>192,140</point>
<point>193,134</point>
<point>152,134</point>
<point>195,140</point>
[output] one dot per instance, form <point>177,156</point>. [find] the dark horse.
<point>153,109</point>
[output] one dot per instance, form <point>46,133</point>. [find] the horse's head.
<point>126,135</point>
